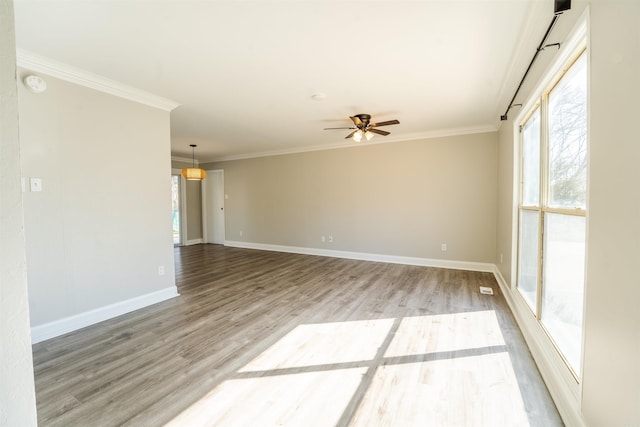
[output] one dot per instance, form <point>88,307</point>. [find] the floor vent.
<point>485,290</point>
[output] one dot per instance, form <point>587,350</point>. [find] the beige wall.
<point>402,199</point>
<point>17,391</point>
<point>611,394</point>
<point>194,210</point>
<point>101,228</point>
<point>176,164</point>
<point>610,390</point>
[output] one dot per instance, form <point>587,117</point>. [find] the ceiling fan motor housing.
<point>363,126</point>
<point>365,119</point>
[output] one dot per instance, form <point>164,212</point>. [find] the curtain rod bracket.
<point>549,45</point>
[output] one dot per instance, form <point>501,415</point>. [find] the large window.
<point>552,210</point>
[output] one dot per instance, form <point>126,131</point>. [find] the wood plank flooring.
<point>263,338</point>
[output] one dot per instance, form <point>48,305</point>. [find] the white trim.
<point>193,242</point>
<point>182,207</point>
<point>382,140</point>
<point>364,256</point>
<point>560,382</point>
<point>183,211</point>
<point>203,208</point>
<point>41,64</point>
<point>68,324</point>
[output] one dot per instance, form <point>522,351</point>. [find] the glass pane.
<point>563,285</point>
<point>568,138</point>
<point>175,208</point>
<point>531,160</point>
<point>528,257</point>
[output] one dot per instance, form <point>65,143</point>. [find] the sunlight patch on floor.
<point>303,399</point>
<point>446,332</point>
<point>465,391</point>
<point>324,343</point>
<point>440,370</point>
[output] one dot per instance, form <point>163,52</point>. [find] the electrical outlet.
<point>241,233</point>
<point>330,239</point>
<point>444,247</point>
<point>322,239</point>
<point>161,270</point>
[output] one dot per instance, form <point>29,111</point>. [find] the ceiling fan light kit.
<point>365,128</point>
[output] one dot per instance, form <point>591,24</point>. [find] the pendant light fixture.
<point>193,173</point>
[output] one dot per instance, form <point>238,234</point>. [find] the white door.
<point>214,184</point>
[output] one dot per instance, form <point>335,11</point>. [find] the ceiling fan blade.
<point>379,132</point>
<point>350,135</point>
<point>387,123</point>
<point>356,120</point>
<point>339,128</point>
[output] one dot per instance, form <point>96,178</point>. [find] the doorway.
<point>176,217</point>
<point>213,207</point>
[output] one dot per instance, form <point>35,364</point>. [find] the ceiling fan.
<point>364,127</point>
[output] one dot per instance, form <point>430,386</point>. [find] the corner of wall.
<point>17,393</point>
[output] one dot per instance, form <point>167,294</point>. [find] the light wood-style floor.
<point>264,338</point>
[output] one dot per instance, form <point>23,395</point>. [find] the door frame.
<point>182,209</point>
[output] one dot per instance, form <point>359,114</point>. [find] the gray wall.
<point>194,210</point>
<point>402,199</point>
<point>17,391</point>
<point>610,393</point>
<point>98,232</point>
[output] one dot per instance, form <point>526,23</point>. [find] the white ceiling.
<point>244,72</point>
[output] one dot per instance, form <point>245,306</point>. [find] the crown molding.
<point>50,67</point>
<point>386,140</point>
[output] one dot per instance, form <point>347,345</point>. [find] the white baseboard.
<point>561,384</point>
<point>364,256</point>
<point>77,321</point>
<point>193,242</point>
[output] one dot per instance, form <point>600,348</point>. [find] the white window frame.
<point>543,207</point>
<point>549,357</point>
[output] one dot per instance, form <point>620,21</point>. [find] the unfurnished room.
<point>319,213</point>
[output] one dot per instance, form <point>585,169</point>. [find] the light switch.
<point>36,184</point>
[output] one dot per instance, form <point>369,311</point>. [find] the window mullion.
<point>544,186</point>
<point>565,211</point>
